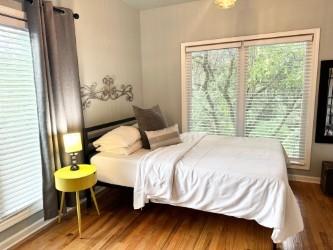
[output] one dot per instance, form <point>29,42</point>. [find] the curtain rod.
<point>59,10</point>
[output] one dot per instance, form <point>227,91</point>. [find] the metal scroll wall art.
<point>107,92</point>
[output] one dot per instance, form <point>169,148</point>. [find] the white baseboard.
<point>25,233</point>
<point>304,178</point>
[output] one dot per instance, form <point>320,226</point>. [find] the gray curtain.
<point>58,89</point>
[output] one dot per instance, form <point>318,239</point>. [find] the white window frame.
<point>17,19</point>
<point>12,17</point>
<point>289,34</point>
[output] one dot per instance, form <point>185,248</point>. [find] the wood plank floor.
<point>167,227</point>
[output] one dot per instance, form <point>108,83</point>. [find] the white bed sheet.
<point>117,169</point>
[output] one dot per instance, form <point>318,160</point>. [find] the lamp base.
<point>74,167</point>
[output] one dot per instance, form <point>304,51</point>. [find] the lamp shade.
<point>72,142</point>
<point>225,4</point>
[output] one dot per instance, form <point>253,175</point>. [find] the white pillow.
<point>123,150</point>
<point>121,137</point>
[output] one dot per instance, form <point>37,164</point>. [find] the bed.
<point>236,176</point>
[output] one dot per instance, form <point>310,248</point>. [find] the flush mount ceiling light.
<point>225,4</point>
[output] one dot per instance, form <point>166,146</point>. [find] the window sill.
<point>298,165</point>
<point>6,223</point>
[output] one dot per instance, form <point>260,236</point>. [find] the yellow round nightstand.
<point>76,181</point>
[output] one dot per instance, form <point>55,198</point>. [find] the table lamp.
<point>73,145</point>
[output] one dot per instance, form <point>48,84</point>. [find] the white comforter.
<point>235,176</point>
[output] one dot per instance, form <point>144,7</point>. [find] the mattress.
<point>117,169</point>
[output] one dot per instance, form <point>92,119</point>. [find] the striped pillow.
<point>164,137</point>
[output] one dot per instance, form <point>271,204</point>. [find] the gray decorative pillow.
<point>149,120</point>
<point>164,137</point>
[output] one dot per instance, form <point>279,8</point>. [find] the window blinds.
<point>212,86</point>
<point>254,88</point>
<point>20,160</point>
<point>278,79</point>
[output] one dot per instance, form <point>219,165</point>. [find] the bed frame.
<point>93,133</point>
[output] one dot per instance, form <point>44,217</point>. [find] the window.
<point>213,91</point>
<point>20,159</point>
<point>256,86</point>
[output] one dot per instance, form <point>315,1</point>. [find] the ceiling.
<point>150,4</point>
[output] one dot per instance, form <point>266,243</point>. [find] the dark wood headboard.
<point>93,133</point>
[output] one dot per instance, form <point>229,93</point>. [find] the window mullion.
<point>240,121</point>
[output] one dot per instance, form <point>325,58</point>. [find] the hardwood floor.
<point>167,227</point>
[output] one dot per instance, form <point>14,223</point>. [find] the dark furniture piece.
<point>326,182</point>
<point>324,132</point>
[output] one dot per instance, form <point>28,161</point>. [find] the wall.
<point>108,43</point>
<point>164,29</point>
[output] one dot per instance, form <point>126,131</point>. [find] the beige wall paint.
<point>164,29</point>
<point>108,43</point>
